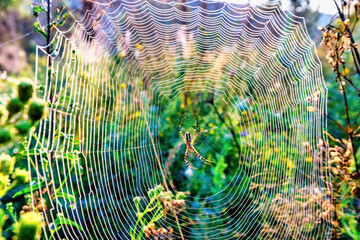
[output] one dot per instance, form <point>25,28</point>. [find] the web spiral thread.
<point>92,153</point>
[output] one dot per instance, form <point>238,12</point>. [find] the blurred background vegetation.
<point>20,112</point>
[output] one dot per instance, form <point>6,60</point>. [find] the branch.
<point>350,34</point>
<point>229,127</point>
<point>337,123</point>
<point>357,117</point>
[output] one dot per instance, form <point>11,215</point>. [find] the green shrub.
<point>21,176</point>
<point>36,111</point>
<point>14,106</point>
<point>6,164</point>
<point>23,126</point>
<point>5,134</point>
<point>4,180</point>
<point>29,226</point>
<point>3,114</point>
<point>25,91</point>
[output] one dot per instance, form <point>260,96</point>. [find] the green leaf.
<point>68,155</point>
<point>63,18</point>
<point>350,226</point>
<point>38,29</point>
<point>28,189</point>
<point>66,196</point>
<point>63,220</point>
<point>70,136</point>
<point>38,9</point>
<point>32,152</point>
<point>158,217</point>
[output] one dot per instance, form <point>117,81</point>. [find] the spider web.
<point>113,76</point>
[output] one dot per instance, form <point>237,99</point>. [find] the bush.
<point>36,111</point>
<point>14,106</point>
<point>23,126</point>
<point>5,134</point>
<point>21,176</point>
<point>25,91</point>
<point>29,226</point>
<point>6,164</point>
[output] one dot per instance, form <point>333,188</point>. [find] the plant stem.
<point>140,215</point>
<point>152,220</point>
<point>48,27</point>
<point>350,131</point>
<point>350,35</point>
<point>67,176</point>
<point>337,123</point>
<point>52,119</point>
<point>357,117</point>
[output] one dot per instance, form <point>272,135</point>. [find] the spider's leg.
<point>204,160</point>
<point>185,159</point>
<point>179,129</point>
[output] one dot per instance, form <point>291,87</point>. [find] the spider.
<point>190,145</point>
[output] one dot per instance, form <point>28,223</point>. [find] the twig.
<point>356,65</point>
<point>350,130</point>
<point>337,123</point>
<point>349,32</point>
<point>229,127</point>
<point>351,83</point>
<point>354,126</point>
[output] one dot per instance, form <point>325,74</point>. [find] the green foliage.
<point>219,174</point>
<point>38,29</point>
<point>58,20</point>
<point>37,10</point>
<point>28,227</point>
<point>5,134</point>
<point>160,204</point>
<point>14,106</point>
<point>25,91</point>
<point>3,218</point>
<point>60,221</point>
<point>351,225</point>
<point>15,125</point>
<point>36,111</point>
<point>26,190</point>
<point>341,68</point>
<point>6,164</point>
<point>20,111</point>
<point>23,126</point>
